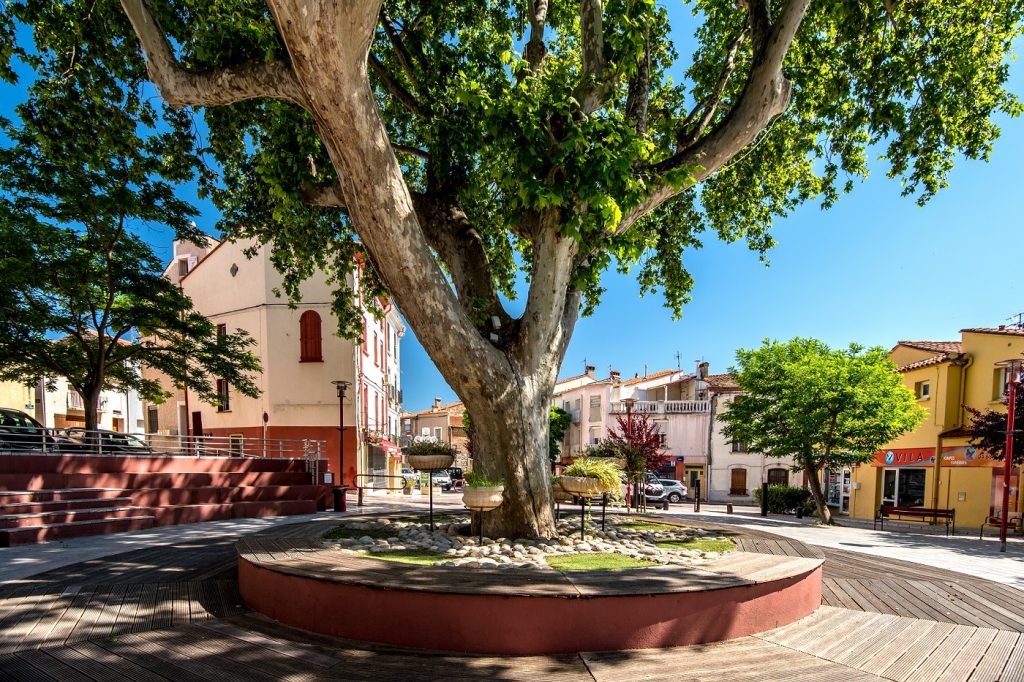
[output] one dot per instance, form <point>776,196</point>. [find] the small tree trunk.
<point>819,498</point>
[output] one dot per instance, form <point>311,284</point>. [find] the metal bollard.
<point>728,508</point>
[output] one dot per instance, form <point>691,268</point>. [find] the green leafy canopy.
<point>824,407</point>
<point>472,121</point>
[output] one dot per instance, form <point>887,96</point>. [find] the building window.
<point>737,446</point>
<point>376,351</point>
<point>235,444</point>
<point>366,350</point>
<point>778,477</point>
<point>182,266</point>
<point>437,433</point>
<point>663,439</point>
<point>310,343</point>
<point>222,333</point>
<point>595,408</point>
<point>153,415</point>
<point>1000,387</point>
<point>922,389</point>
<point>223,396</point>
<point>738,481</point>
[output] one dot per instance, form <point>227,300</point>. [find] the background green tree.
<point>95,308</point>
<point>458,143</point>
<point>90,160</point>
<point>559,422</point>
<point>823,407</point>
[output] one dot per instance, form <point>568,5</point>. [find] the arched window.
<point>309,337</point>
<point>778,477</point>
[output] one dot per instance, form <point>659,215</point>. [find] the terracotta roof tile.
<point>1009,331</point>
<point>927,362</point>
<point>721,381</point>
<point>934,346</point>
<point>655,375</point>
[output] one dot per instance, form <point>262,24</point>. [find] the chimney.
<point>437,402</point>
<point>590,371</point>
<point>615,376</point>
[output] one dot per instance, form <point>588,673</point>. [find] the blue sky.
<point>874,269</point>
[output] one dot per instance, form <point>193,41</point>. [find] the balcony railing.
<point>664,407</point>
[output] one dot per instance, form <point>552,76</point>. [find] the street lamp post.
<point>342,386</point>
<point>629,403</point>
<point>1013,368</point>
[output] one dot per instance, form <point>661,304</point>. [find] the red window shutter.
<point>365,349</point>
<point>310,342</point>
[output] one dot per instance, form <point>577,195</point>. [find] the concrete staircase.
<point>56,497</point>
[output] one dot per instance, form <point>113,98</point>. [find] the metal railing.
<point>74,440</point>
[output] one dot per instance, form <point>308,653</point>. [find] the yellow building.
<point>945,376</point>
<point>17,396</point>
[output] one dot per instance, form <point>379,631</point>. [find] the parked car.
<point>458,477</point>
<point>675,491</point>
<point>104,442</point>
<point>19,431</point>
<point>442,479</point>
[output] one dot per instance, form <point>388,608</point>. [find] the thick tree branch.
<point>450,233</point>
<point>536,50</point>
<point>408,149</point>
<point>401,51</point>
<point>702,115</point>
<point>592,90</point>
<point>550,277</point>
<point>639,93</point>
<point>765,96</point>
<point>396,89</point>
<point>182,87</point>
<point>760,24</point>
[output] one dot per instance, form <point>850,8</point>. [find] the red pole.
<point>1008,458</point>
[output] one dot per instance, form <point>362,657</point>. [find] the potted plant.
<point>480,493</point>
<point>430,456</point>
<point>589,476</point>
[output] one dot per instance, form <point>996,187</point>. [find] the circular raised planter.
<point>559,493</point>
<point>430,463</point>
<point>525,611</point>
<point>482,498</point>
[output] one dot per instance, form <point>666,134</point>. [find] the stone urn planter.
<point>581,486</point>
<point>430,463</point>
<point>482,498</point>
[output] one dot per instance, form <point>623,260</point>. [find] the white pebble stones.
<point>386,535</point>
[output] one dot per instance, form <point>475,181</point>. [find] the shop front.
<point>967,480</point>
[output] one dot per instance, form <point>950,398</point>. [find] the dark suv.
<point>19,431</point>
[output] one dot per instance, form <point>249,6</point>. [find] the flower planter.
<point>482,499</point>
<point>581,485</point>
<point>560,494</point>
<point>430,463</point>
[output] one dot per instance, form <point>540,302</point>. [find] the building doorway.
<point>838,489</point>
<point>694,478</point>
<point>738,481</point>
<point>903,487</point>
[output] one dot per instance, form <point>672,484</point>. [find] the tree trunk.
<point>510,442</point>
<point>819,497</point>
<point>91,403</point>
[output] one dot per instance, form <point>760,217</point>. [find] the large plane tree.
<point>454,144</point>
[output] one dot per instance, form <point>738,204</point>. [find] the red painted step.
<point>197,513</point>
<point>45,495</point>
<point>61,505</point>
<point>150,480</point>
<point>93,464</point>
<point>52,517</point>
<point>153,497</point>
<point>65,531</point>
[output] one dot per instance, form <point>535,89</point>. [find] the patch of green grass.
<point>700,545</point>
<point>406,556</point>
<point>597,561</point>
<point>341,532</point>
<point>645,525</point>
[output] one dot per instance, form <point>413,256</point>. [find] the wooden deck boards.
<point>174,613</point>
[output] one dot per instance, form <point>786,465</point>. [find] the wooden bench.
<point>922,514</point>
<point>1015,522</point>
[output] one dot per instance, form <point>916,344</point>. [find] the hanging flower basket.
<point>483,498</point>
<point>582,486</point>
